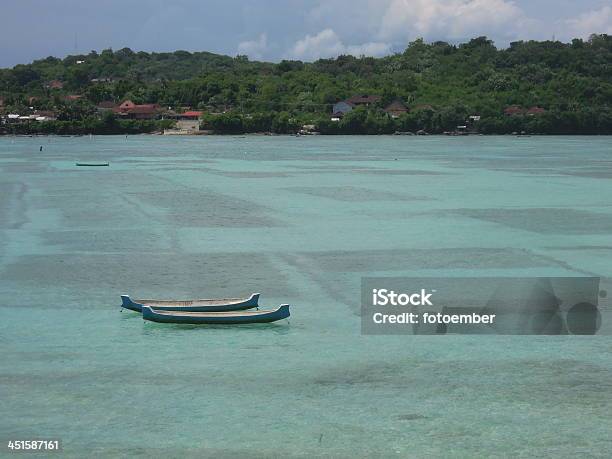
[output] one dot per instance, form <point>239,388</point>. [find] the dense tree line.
<point>371,122</point>
<point>107,124</point>
<point>441,83</point>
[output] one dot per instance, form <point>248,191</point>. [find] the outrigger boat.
<point>234,317</point>
<point>219,305</point>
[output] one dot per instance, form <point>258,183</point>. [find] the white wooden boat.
<point>211,305</point>
<point>231,317</point>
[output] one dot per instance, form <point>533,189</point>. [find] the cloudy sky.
<point>278,29</point>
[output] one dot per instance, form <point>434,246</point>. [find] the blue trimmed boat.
<point>231,317</point>
<point>219,305</point>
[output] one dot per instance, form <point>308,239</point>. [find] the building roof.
<point>144,109</point>
<point>74,97</point>
<point>536,111</point>
<point>126,104</point>
<point>191,114</point>
<point>514,110</point>
<point>362,99</point>
<point>396,106</point>
<point>129,107</point>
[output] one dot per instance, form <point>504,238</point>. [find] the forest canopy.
<point>442,85</point>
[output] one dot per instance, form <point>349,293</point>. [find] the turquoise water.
<point>300,220</point>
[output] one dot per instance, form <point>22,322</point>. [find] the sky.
<point>283,29</point>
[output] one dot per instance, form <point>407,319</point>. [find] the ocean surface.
<point>300,220</point>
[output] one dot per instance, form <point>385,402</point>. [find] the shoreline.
<point>266,134</point>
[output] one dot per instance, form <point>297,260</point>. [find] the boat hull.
<point>235,304</point>
<point>226,318</point>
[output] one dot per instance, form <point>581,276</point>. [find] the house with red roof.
<point>130,110</point>
<point>535,111</point>
<point>190,115</point>
<point>125,106</point>
<point>514,110</point>
<point>189,121</point>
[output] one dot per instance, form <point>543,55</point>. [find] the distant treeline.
<point>359,121</point>
<point>372,122</point>
<point>440,83</point>
<point>100,126</point>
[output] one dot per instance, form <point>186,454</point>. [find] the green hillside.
<point>441,84</point>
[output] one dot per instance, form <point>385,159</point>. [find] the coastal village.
<point>187,121</point>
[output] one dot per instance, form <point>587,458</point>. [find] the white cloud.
<point>255,49</point>
<point>453,19</point>
<point>393,23</point>
<point>377,27</point>
<point>328,44</point>
<point>591,22</point>
<point>324,44</point>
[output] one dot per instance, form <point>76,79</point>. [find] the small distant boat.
<point>232,317</point>
<point>92,164</point>
<point>218,305</point>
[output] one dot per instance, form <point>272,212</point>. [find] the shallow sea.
<point>300,220</point>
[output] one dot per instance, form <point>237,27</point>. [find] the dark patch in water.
<point>162,275</point>
<point>334,271</point>
<point>593,173</point>
<point>410,417</point>
<point>400,172</point>
<point>12,204</point>
<point>206,208</point>
<point>353,194</point>
<point>579,247</point>
<point>406,259</point>
<point>248,174</point>
<point>125,199</point>
<point>108,240</point>
<point>545,220</point>
<point>169,163</point>
<point>22,168</point>
<point>367,374</point>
